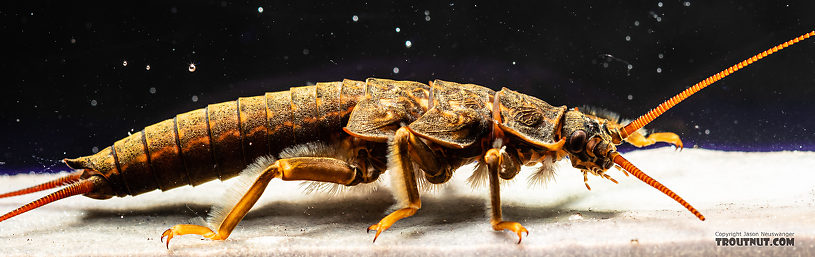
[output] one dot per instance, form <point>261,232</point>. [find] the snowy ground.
<point>737,192</point>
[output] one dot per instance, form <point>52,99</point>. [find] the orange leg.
<point>404,181</point>
<point>299,168</point>
<point>639,140</point>
<point>493,160</point>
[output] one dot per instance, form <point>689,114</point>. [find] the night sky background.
<point>66,90</point>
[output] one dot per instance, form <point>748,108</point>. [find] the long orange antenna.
<point>70,178</point>
<point>665,106</point>
<point>625,164</point>
<point>81,187</point>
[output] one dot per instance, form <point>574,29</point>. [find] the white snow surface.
<point>736,191</point>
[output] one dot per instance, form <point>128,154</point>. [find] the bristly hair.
<point>609,115</point>
<point>236,190</point>
<point>544,174</point>
<point>600,113</point>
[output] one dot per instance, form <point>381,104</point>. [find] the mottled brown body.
<point>219,141</point>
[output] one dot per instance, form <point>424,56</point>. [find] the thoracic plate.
<point>529,118</point>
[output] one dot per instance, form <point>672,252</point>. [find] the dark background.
<point>67,92</point>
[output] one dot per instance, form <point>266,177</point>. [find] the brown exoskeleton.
<point>350,132</point>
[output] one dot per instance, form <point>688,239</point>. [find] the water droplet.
<point>396,70</point>
<point>124,63</point>
<point>260,9</point>
<point>305,51</point>
<point>630,66</point>
<point>627,38</point>
<point>659,19</point>
<point>660,55</point>
<point>95,149</point>
<point>147,67</point>
<point>707,132</point>
<point>73,40</point>
<point>427,18</point>
<point>636,23</point>
<point>192,67</point>
<point>355,18</point>
<point>426,12</point>
<point>152,90</point>
<point>93,102</point>
<point>408,44</point>
<point>194,98</point>
<point>18,120</point>
<point>659,70</point>
<point>630,97</point>
<point>686,3</point>
<point>659,4</point>
<point>398,29</point>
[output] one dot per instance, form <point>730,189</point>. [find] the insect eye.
<point>576,142</point>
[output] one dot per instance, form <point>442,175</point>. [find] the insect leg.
<point>639,140</point>
<point>407,193</point>
<point>322,169</point>
<point>494,160</point>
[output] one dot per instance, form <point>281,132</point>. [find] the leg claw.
<point>512,226</point>
<point>379,228</point>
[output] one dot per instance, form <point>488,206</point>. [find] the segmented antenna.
<point>665,106</point>
<point>70,178</point>
<point>625,164</point>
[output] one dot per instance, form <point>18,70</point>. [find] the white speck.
<point>734,121</point>
<point>605,65</point>
<point>630,66</point>
<point>73,40</point>
<point>636,23</point>
<point>707,132</point>
<point>305,51</point>
<point>194,98</point>
<point>513,63</point>
<point>124,63</point>
<point>660,55</point>
<point>627,38</point>
<point>659,70</point>
<point>18,120</point>
<point>147,67</point>
<point>95,149</point>
<point>576,216</point>
<point>122,216</point>
<point>630,97</point>
<point>355,18</point>
<point>408,44</point>
<point>260,9</point>
<point>659,4</point>
<point>696,126</point>
<point>93,102</point>
<point>426,12</point>
<point>192,67</point>
<point>396,70</point>
<point>686,3</point>
<point>398,29</point>
<point>152,90</point>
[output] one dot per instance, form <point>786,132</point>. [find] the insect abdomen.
<point>220,140</point>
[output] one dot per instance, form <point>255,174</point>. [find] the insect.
<point>350,132</point>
